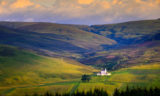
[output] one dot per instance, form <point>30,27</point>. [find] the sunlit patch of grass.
<point>29,68</point>
<point>91,86</point>
<point>137,76</point>
<point>149,66</point>
<point>141,73</point>
<point>41,90</point>
<point>2,90</point>
<point>122,77</point>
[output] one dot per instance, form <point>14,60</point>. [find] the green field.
<point>138,76</point>
<point>21,69</point>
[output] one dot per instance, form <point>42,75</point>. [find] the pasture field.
<point>20,69</point>
<point>137,76</point>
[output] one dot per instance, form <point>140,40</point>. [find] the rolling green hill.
<point>111,45</point>
<point>46,44</point>
<point>76,40</point>
<point>60,33</point>
<point>90,37</point>
<point>20,67</point>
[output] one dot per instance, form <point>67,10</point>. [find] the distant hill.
<point>110,45</point>
<point>52,37</point>
<point>123,33</point>
<point>130,32</point>
<point>145,53</point>
<point>137,42</point>
<point>42,43</point>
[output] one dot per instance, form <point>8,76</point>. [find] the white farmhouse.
<point>104,73</point>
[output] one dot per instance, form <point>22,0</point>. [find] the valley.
<point>36,57</point>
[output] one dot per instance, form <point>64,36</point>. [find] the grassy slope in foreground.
<point>141,76</point>
<point>19,67</point>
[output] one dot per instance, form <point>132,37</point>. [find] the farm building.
<point>103,73</point>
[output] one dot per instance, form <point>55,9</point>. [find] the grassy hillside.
<point>19,67</point>
<point>145,53</point>
<point>95,36</point>
<point>136,76</point>
<point>35,40</point>
<point>63,33</point>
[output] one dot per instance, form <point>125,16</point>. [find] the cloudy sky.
<point>79,11</point>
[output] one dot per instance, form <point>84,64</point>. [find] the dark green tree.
<point>116,92</point>
<point>35,94</point>
<point>86,78</point>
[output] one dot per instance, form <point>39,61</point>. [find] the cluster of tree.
<point>117,92</point>
<point>96,92</point>
<point>138,92</point>
<point>86,78</point>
